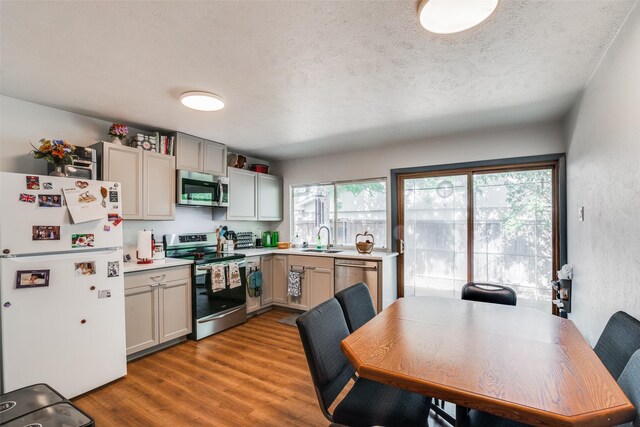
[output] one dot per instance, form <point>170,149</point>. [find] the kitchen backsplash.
<point>189,220</point>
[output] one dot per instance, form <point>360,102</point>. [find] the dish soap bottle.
<point>319,243</point>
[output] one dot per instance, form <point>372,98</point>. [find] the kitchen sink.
<point>322,251</point>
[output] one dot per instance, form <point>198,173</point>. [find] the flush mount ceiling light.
<point>453,16</point>
<point>202,101</point>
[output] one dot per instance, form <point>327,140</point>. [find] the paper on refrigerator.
<point>83,204</point>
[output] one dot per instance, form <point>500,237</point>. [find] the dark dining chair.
<point>357,305</point>
<point>367,403</point>
<point>485,292</point>
<point>619,340</point>
<point>629,382</point>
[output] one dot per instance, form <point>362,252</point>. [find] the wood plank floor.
<point>254,374</point>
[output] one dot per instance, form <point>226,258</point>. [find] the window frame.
<point>556,161</point>
<point>383,246</point>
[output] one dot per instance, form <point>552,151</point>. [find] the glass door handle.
<point>401,246</point>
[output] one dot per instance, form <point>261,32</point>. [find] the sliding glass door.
<point>488,225</point>
<point>435,225</point>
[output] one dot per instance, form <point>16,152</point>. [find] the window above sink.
<point>347,208</point>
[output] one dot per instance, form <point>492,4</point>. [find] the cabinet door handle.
<point>154,285</point>
<point>158,278</point>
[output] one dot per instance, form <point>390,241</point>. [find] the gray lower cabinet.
<point>266,265</point>
<point>279,275</point>
<point>317,281</point>
<point>157,306</point>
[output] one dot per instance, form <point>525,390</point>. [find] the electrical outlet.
<point>581,214</point>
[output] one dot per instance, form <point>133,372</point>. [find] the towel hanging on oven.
<point>215,279</point>
<point>294,287</point>
<point>234,275</point>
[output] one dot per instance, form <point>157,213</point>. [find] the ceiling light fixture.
<point>453,16</point>
<point>202,101</point>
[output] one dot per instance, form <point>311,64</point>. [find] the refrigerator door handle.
<point>58,255</point>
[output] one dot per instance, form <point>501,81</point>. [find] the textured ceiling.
<point>303,78</point>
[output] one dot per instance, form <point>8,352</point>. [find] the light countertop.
<point>351,254</point>
<point>130,267</point>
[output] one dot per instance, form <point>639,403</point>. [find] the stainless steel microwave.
<point>201,189</point>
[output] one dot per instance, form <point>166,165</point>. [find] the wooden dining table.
<point>518,363</point>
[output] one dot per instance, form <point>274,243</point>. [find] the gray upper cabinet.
<point>242,195</point>
<point>124,165</point>
<point>215,158</point>
<point>254,196</point>
<point>189,153</point>
<point>269,198</point>
<point>200,155</point>
<point>148,180</point>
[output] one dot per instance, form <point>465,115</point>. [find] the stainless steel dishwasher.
<point>352,271</point>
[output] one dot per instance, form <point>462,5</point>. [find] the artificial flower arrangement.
<point>57,151</point>
<point>118,130</point>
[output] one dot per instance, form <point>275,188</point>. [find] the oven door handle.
<point>222,315</point>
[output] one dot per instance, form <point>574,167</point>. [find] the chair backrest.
<point>357,305</point>
<point>629,382</point>
<point>484,292</point>
<point>619,340</point>
<point>321,330</point>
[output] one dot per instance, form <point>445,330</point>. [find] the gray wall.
<point>518,141</point>
<point>604,176</point>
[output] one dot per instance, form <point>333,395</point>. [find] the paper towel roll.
<point>144,245</point>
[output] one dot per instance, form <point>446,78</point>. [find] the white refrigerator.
<point>62,287</point>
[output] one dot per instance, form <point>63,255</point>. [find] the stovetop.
<point>196,246</point>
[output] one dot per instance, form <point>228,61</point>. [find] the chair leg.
<point>462,414</point>
<point>440,412</point>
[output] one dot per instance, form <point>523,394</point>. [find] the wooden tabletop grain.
<point>515,362</point>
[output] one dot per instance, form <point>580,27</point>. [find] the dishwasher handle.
<point>363,266</point>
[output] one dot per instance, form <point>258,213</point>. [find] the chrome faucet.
<point>328,235</point>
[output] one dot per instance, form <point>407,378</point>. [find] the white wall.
<point>603,176</point>
<point>21,122</point>
<point>534,139</point>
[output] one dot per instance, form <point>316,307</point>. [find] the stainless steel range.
<point>215,307</point>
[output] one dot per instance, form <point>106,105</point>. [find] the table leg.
<point>461,415</point>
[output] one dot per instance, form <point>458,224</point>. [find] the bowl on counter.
<point>284,245</point>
